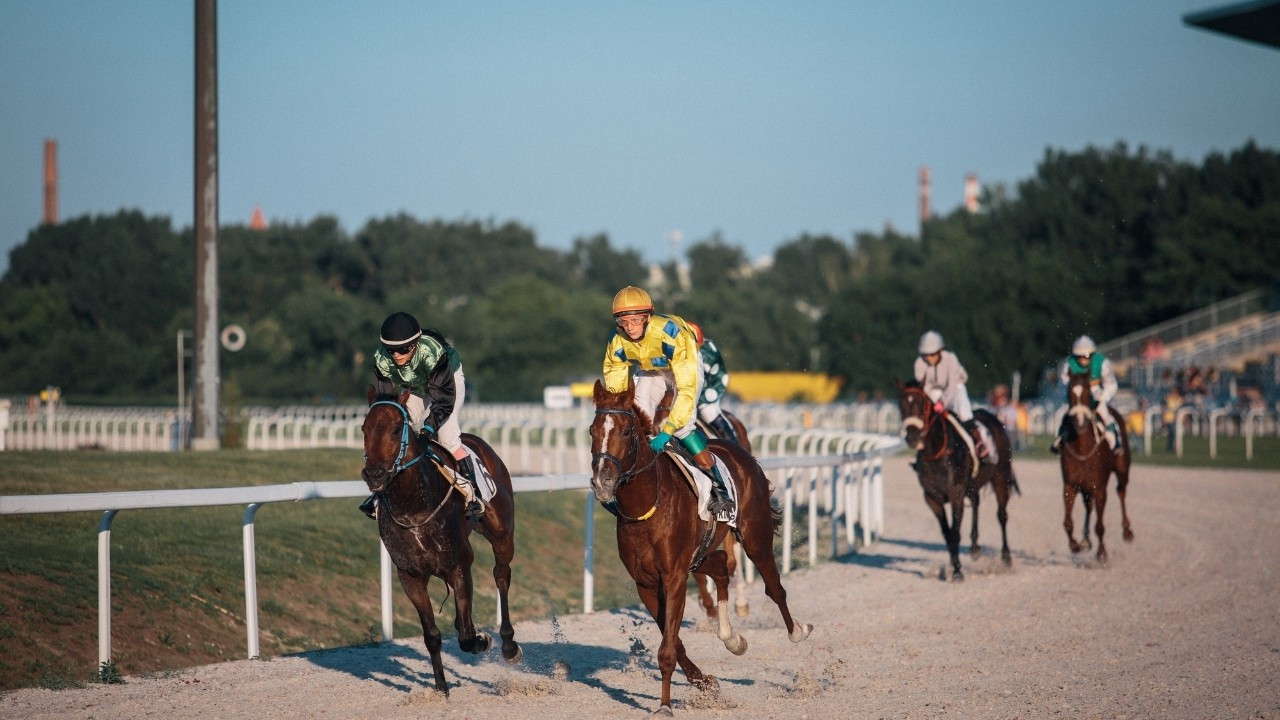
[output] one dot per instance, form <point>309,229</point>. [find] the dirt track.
<point>1182,623</point>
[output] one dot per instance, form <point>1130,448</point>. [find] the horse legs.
<point>1002,514</point>
<point>416,589</point>
<point>957,522</point>
<point>1122,484</point>
<point>1087,498</point>
<point>940,512</point>
<point>665,606</point>
<point>975,550</point>
<point>468,639</point>
<point>716,568</point>
<point>702,580</point>
<point>738,573</point>
<point>757,543</point>
<point>1101,498</point>
<point>1069,502</point>
<point>503,552</point>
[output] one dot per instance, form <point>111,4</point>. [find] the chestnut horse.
<point>659,531</point>
<point>1087,463</point>
<point>945,468</point>
<point>421,521</point>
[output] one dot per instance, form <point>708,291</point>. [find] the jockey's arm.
<point>442,391</point>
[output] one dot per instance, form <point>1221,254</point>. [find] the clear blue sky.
<point>758,120</point>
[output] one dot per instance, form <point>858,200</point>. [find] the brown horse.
<point>421,521</point>
<point>1087,463</point>
<point>945,468</point>
<point>659,531</point>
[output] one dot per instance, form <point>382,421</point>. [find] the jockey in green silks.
<point>1085,357</point>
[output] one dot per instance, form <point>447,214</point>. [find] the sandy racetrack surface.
<point>1182,623</point>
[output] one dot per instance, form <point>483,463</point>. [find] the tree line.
<point>1103,241</point>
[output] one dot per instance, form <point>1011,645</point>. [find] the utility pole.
<point>205,400</point>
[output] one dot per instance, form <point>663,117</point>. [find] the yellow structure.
<point>784,387</point>
<point>779,387</point>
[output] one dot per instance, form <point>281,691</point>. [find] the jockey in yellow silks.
<point>658,353</point>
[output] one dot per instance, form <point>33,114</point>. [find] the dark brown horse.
<point>421,521</point>
<point>659,531</point>
<point>946,469</point>
<point>1087,463</point>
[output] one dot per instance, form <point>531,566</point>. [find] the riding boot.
<point>1056,447</point>
<point>978,446</point>
<point>470,489</point>
<point>724,429</point>
<point>720,501</point>
<point>370,506</point>
<point>1113,438</point>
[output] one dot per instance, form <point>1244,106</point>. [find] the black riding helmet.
<point>400,329</point>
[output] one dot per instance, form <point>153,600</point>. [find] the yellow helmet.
<point>632,299</point>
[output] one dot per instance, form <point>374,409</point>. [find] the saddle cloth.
<point>702,487</point>
<point>488,488</point>
<point>968,441</point>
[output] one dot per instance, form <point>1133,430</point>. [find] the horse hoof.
<point>801,632</point>
<point>1076,547</point>
<point>957,576</point>
<point>516,657</point>
<point>1008,559</point>
<point>736,644</point>
<point>975,552</point>
<point>662,711</point>
<point>480,644</point>
<point>1128,536</point>
<point>706,684</point>
<point>742,609</point>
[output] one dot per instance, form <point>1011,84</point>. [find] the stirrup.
<point>720,505</point>
<point>474,508</point>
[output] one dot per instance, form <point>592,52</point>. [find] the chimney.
<point>257,221</point>
<point>971,193</point>
<point>924,196</point>
<point>50,182</point>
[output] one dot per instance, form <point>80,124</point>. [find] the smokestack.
<point>971,193</point>
<point>50,182</point>
<point>924,196</point>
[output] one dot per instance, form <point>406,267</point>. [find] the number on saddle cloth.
<point>702,486</point>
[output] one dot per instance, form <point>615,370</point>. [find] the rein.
<point>626,475</point>
<point>1088,419</point>
<point>926,424</point>
<point>382,497</point>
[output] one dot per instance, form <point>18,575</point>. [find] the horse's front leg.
<point>957,522</point>
<point>1122,484</point>
<point>468,639</point>
<point>416,588</point>
<point>1101,498</point>
<point>1087,498</point>
<point>655,599</point>
<point>1069,502</point>
<point>950,538</point>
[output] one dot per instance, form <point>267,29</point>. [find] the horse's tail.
<point>775,513</point>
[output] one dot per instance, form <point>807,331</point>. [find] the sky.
<point>659,123</point>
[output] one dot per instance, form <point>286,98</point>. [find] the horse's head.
<point>619,435</point>
<point>1080,400</point>
<point>916,411</point>
<point>387,436</point>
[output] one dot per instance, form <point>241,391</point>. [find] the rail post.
<point>104,587</point>
<point>250,580</point>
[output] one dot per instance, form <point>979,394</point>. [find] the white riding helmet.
<point>931,342</point>
<point>1083,345</point>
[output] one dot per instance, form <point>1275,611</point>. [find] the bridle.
<point>1084,416</point>
<point>625,475</point>
<point>925,424</point>
<point>400,466</point>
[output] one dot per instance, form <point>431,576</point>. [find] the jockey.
<point>715,380</point>
<point>428,365</point>
<point>1085,357</point>
<point>943,377</point>
<point>658,353</point>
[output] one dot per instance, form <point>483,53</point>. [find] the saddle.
<point>485,484</point>
<point>968,442</point>
<point>701,485</point>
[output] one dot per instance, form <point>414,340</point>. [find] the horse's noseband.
<point>624,475</point>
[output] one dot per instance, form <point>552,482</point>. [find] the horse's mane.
<point>624,399</point>
<point>912,383</point>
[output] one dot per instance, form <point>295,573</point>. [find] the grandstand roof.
<point>1256,21</point>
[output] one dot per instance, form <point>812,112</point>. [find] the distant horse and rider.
<point>1087,461</point>
<point>422,524</point>
<point>950,471</point>
<point>662,536</point>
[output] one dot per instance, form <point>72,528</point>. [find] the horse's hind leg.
<point>416,589</point>
<point>757,543</point>
<point>701,580</point>
<point>1001,486</point>
<point>503,552</point>
<point>715,567</point>
<point>975,550</point>
<point>1087,498</point>
<point>1122,484</point>
<point>738,573</point>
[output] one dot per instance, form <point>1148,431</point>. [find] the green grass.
<point>177,584</point>
<point>1195,452</point>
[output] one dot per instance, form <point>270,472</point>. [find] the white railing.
<point>81,428</point>
<point>847,482</point>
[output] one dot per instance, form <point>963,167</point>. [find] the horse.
<point>1087,462</point>
<point>421,521</point>
<point>945,467</point>
<point>660,534</point>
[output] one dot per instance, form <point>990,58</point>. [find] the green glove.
<point>659,441</point>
